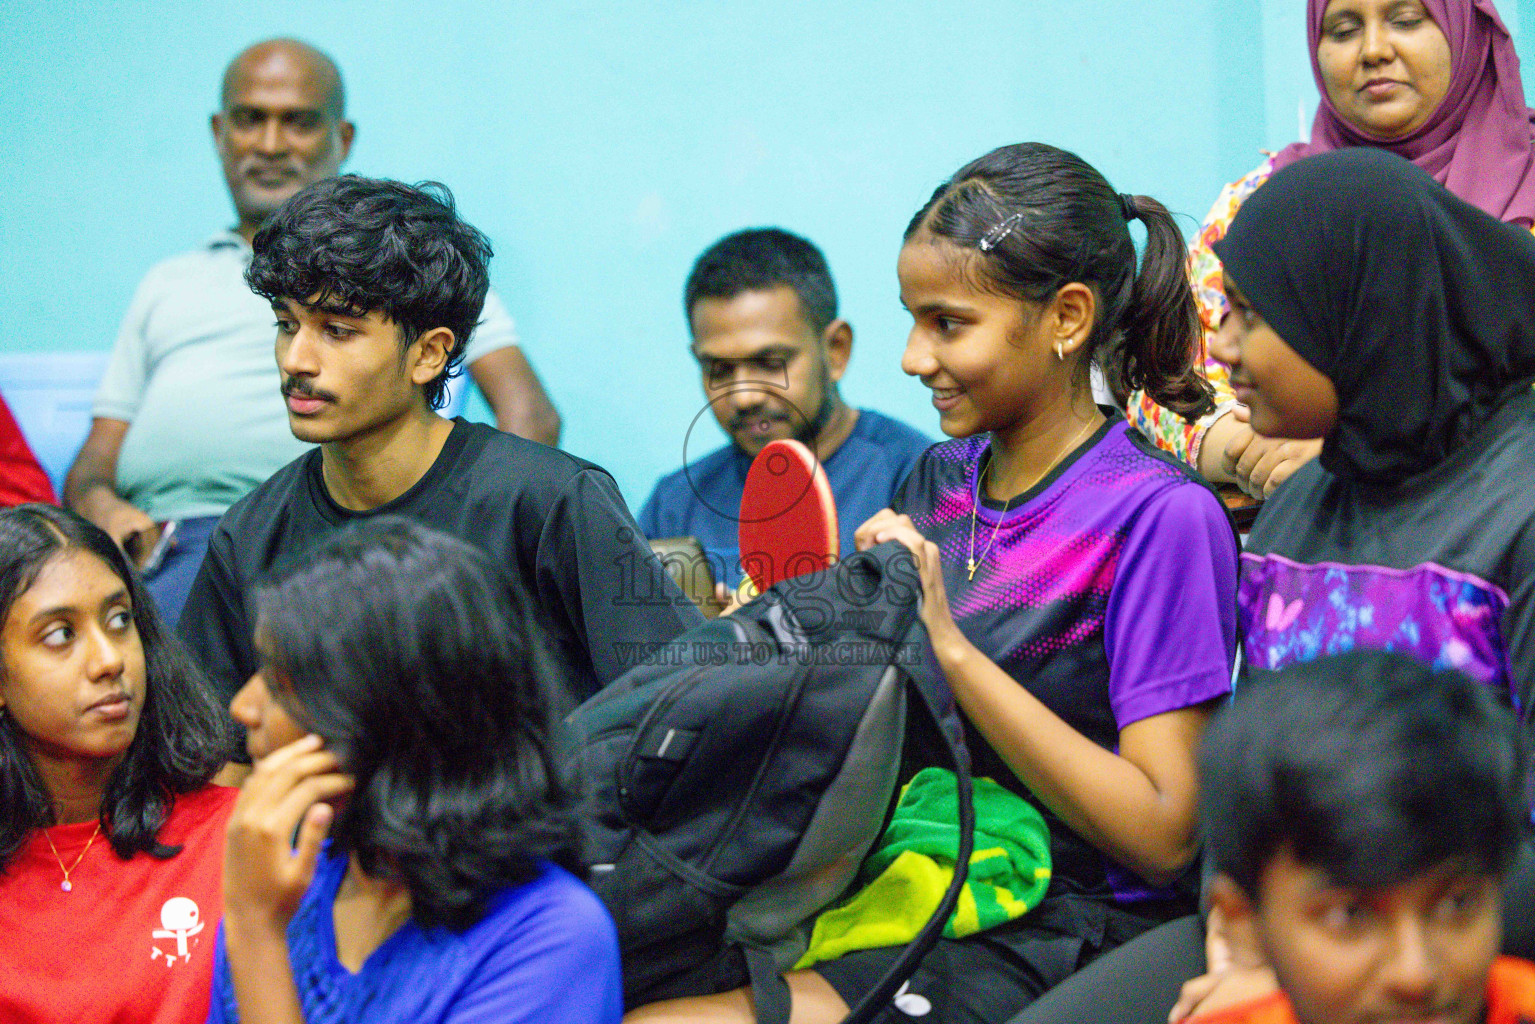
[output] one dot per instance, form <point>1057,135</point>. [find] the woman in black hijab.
<point>1375,310</point>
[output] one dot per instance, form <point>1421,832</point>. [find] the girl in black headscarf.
<point>1411,313</point>
<point>1373,309</point>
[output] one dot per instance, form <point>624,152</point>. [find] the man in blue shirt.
<point>762,311</point>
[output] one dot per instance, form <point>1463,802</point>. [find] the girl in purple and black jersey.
<point>1078,586</point>
<point>1377,312</point>
<point>1395,322</point>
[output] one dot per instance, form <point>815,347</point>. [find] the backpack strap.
<point>770,993</point>
<point>936,699</point>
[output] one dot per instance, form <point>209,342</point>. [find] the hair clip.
<point>993,238</point>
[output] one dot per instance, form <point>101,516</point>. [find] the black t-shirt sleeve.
<point>594,563</point>
<point>1518,625</point>
<point>649,517</point>
<point>213,624</point>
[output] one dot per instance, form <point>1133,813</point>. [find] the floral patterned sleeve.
<point>1166,428</point>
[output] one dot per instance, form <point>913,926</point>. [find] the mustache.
<point>289,166</point>
<point>742,420</point>
<point>297,387</point>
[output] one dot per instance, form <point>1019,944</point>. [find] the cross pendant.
<point>970,565</point>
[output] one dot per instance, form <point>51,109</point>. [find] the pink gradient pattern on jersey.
<point>1062,547</point>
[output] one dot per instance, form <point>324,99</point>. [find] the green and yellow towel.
<point>904,878</point>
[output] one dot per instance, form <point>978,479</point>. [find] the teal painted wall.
<point>602,145</point>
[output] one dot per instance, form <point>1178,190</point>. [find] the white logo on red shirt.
<point>180,920</point>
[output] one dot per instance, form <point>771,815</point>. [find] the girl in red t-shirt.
<point>111,838</point>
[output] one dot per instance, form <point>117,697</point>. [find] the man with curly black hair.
<point>374,285</point>
<point>187,418</point>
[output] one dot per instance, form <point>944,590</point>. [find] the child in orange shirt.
<point>1361,812</point>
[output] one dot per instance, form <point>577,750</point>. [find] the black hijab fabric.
<point>1419,307</point>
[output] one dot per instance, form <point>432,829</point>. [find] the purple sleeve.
<point>1171,624</point>
<point>555,961</point>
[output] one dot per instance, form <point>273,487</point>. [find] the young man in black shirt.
<point>375,285</point>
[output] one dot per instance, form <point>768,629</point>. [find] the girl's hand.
<point>1228,979</point>
<point>265,872</point>
<point>1221,990</point>
<point>725,602</point>
<point>887,525</point>
<point>1260,464</point>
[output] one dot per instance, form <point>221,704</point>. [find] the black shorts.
<point>987,978</point>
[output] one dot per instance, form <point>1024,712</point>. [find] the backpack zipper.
<point>662,704</point>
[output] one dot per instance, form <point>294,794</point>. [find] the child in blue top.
<point>400,708</point>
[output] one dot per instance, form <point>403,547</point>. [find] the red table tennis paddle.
<point>788,522</point>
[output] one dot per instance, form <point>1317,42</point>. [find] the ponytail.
<point>1160,329</point>
<point>1040,218</point>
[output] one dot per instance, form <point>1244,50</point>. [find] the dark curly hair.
<point>1067,224</point>
<point>417,661</point>
<point>757,259</point>
<point>182,732</point>
<point>358,245</point>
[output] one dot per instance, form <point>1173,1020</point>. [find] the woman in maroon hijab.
<point>1434,81</point>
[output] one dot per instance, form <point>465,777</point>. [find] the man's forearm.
<point>90,488</point>
<point>92,479</point>
<point>516,395</point>
<point>87,493</point>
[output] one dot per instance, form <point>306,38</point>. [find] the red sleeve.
<point>1510,991</point>
<point>1270,1009</point>
<point>21,478</point>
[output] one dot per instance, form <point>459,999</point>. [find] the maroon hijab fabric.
<point>1480,143</point>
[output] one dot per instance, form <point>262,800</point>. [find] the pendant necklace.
<point>66,885</point>
<point>973,562</point>
<point>970,563</point>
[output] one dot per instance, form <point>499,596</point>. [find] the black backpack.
<point>737,778</point>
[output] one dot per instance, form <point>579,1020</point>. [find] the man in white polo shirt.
<point>189,416</point>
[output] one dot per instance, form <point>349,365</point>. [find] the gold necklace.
<point>972,563</point>
<point>66,885</point>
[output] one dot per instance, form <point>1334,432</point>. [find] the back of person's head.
<point>1038,218</point>
<point>364,245</point>
<point>181,734</point>
<point>1369,767</point>
<point>422,668</point>
<point>759,259</point>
